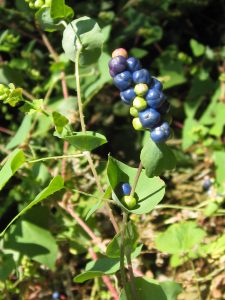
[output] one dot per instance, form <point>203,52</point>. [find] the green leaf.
<point>59,121</point>
<point>146,289</point>
<point>13,162</point>
<point>90,37</point>
<point>219,160</point>
<point>100,267</point>
<point>156,158</point>
<point>45,20</point>
<point>188,136</point>
<point>113,248</point>
<point>171,289</point>
<point>33,241</point>
<point>59,10</point>
<point>7,266</point>
<point>85,141</point>
<point>181,240</point>
<point>55,185</point>
<point>197,48</point>
<point>21,134</point>
<point>216,248</point>
<point>149,191</point>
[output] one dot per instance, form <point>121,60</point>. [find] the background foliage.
<point>180,42</point>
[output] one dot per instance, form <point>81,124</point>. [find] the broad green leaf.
<point>113,248</point>
<point>55,185</point>
<point>156,158</point>
<point>59,10</point>
<point>85,141</point>
<point>33,241</point>
<point>99,204</point>
<point>45,20</point>
<point>21,134</point>
<point>100,267</point>
<point>171,289</point>
<point>7,266</point>
<point>59,121</point>
<point>90,37</point>
<point>146,289</point>
<point>197,48</point>
<point>13,162</point>
<point>181,240</point>
<point>149,191</point>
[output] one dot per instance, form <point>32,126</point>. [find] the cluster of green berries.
<point>143,93</point>
<point>36,4</point>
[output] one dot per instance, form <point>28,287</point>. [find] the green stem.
<point>122,254</point>
<point>132,278</point>
<point>54,157</point>
<point>136,180</point>
<point>77,75</point>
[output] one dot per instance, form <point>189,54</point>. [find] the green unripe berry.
<point>31,5</point>
<point>141,89</point>
<point>133,111</point>
<point>139,103</point>
<point>129,201</point>
<point>137,124</point>
<point>38,3</point>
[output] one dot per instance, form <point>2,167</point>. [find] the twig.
<point>55,157</point>
<point>7,131</point>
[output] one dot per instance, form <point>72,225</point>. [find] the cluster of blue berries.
<point>143,93</point>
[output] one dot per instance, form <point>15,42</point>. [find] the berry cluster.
<point>36,4</point>
<point>149,106</point>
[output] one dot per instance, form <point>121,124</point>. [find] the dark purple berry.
<point>142,76</point>
<point>123,81</point>
<point>133,64</point>
<point>149,117</point>
<point>117,65</point>
<point>128,96</point>
<point>164,108</point>
<point>155,98</point>
<point>126,188</point>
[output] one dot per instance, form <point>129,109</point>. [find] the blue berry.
<point>149,117</point>
<point>164,108</point>
<point>156,84</point>
<point>161,133</point>
<point>126,188</point>
<point>206,184</point>
<point>123,81</point>
<point>117,65</point>
<point>55,295</point>
<point>142,76</point>
<point>155,98</point>
<point>133,64</point>
<point>128,96</point>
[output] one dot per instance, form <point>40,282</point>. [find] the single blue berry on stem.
<point>133,64</point>
<point>123,81</point>
<point>126,187</point>
<point>142,76</point>
<point>149,117</point>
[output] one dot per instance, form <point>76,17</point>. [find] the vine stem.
<point>132,277</point>
<point>83,128</point>
<point>122,254</point>
<point>77,75</point>
<point>54,157</point>
<point>136,179</point>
